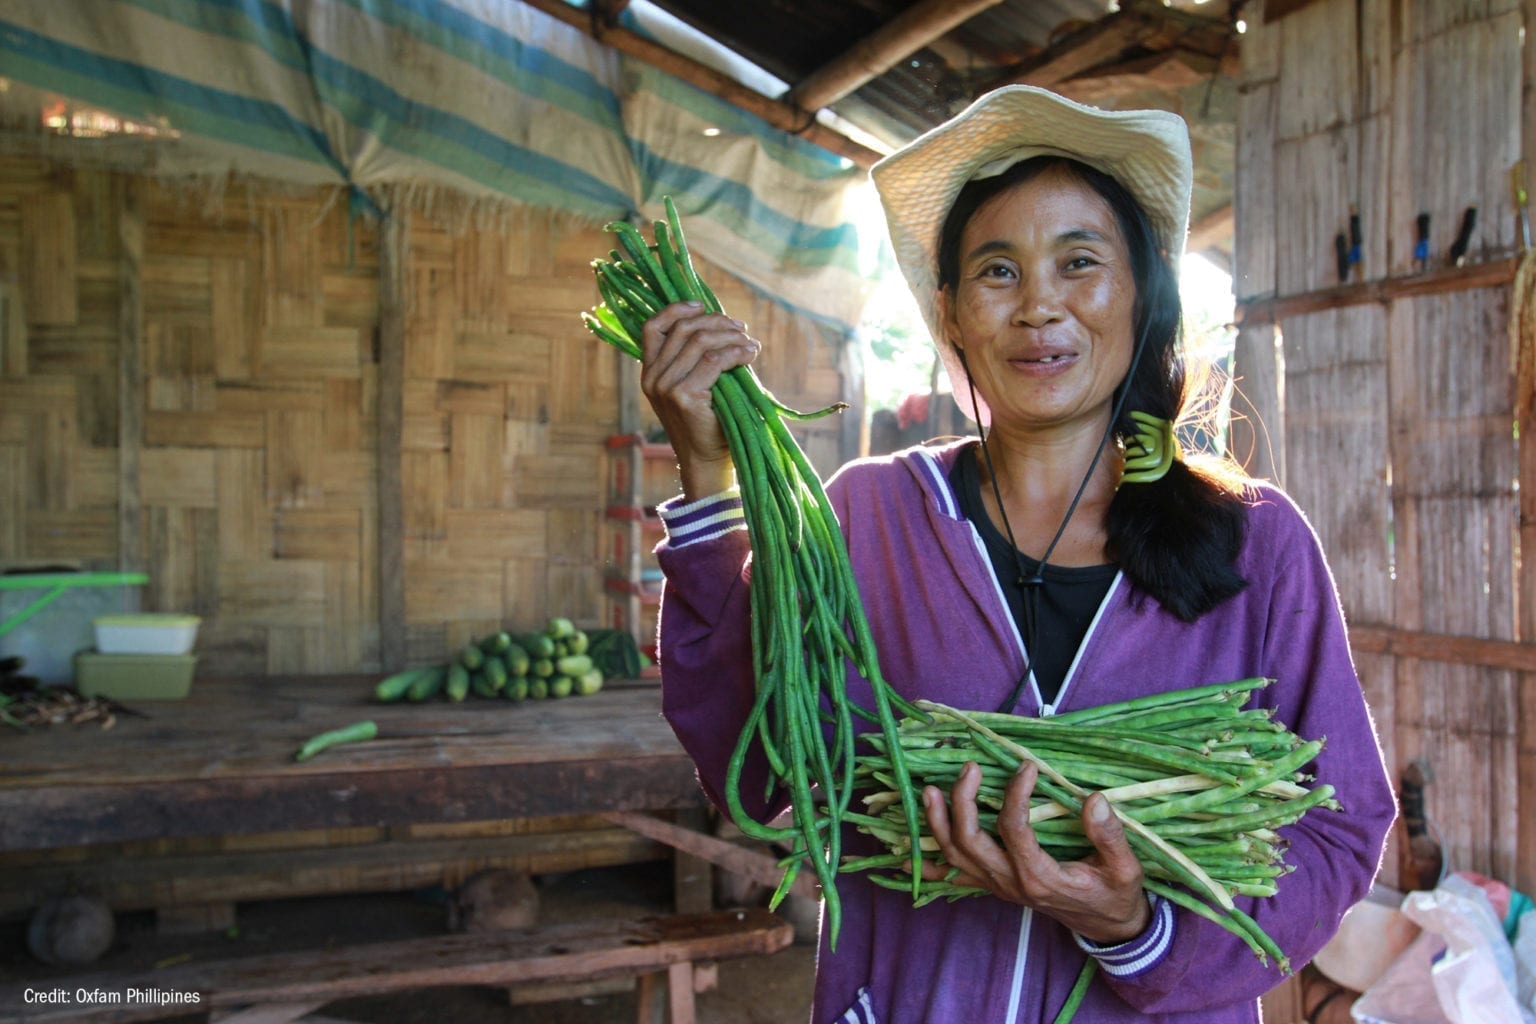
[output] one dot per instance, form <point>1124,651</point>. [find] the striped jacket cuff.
<point>1139,955</point>
<point>701,520</point>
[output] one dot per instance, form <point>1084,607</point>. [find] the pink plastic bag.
<point>1460,970</point>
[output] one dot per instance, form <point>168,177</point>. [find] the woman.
<point>1028,571</point>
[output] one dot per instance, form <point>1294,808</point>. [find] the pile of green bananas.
<point>550,663</point>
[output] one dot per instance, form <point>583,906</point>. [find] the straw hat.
<point>1147,151</point>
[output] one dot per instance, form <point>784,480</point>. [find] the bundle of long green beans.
<point>808,620</point>
<point>1200,784</point>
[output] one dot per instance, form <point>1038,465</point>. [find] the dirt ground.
<point>774,990</point>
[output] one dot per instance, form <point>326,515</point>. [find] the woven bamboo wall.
<point>243,473</point>
<point>1393,396</point>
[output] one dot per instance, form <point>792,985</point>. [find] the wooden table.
<point>221,762</point>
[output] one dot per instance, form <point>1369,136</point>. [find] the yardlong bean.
<point>1199,783</point>
<point>808,622</point>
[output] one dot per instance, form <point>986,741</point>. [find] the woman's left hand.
<point>1099,897</point>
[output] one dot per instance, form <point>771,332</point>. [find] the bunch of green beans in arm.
<point>808,621</point>
<point>1201,785</point>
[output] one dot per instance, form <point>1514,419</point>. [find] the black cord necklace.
<point>1031,584</point>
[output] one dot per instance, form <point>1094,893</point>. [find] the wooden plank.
<point>1335,365</point>
<point>392,516</point>
<point>1454,279</point>
<point>102,812</point>
<point>149,881</point>
<point>1318,77</point>
<point>1315,185</point>
<point>1096,43</point>
<point>559,952</point>
<point>869,57</point>
<point>680,1008</point>
<point>742,860</point>
<point>1512,655</point>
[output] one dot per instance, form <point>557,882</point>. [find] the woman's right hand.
<point>685,351</point>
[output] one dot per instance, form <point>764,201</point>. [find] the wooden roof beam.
<point>1139,24</point>
<point>784,116</point>
<point>908,32</point>
<point>1167,71</point>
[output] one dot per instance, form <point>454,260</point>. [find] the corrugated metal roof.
<point>793,38</point>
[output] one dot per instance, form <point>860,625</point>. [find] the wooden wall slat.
<point>1523,336</point>
<point>1337,448</point>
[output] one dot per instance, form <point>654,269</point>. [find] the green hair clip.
<point>1150,451</point>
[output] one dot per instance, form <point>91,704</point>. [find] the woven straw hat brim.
<point>1147,151</point>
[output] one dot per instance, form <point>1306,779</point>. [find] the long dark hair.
<point>1178,538</point>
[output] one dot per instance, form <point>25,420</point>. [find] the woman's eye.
<point>1080,262</point>
<point>997,270</point>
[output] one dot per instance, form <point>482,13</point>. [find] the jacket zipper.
<point>1047,710</point>
<point>1026,915</point>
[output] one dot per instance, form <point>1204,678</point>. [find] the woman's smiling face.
<point>1044,303</point>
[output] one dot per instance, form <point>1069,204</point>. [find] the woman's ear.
<point>948,323</point>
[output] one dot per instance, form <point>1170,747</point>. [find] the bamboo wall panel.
<point>1337,448</point>
<point>1397,415</point>
<point>1454,460</point>
<point>254,479</point>
<point>1457,133</point>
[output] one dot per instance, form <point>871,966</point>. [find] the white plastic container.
<point>146,633</point>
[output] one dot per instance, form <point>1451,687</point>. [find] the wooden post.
<point>911,30</point>
<point>784,116</point>
<point>393,288</point>
<point>1524,330</point>
<point>130,377</point>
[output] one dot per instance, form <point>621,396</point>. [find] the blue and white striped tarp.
<point>488,98</point>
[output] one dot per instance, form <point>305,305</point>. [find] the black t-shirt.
<point>1067,601</point>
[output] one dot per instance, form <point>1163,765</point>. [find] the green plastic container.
<point>134,676</point>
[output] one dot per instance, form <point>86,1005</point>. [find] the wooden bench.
<point>278,988</point>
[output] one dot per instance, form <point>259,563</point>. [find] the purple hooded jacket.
<point>943,632</point>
